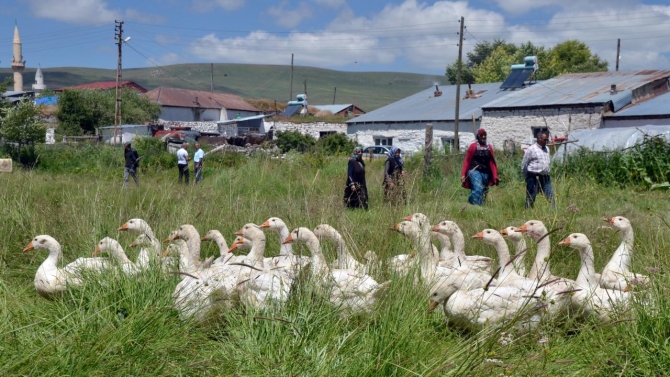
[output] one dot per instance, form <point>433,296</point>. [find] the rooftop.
<point>199,99</point>
<point>106,85</point>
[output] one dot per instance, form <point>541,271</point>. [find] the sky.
<point>362,35</point>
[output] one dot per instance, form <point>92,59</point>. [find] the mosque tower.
<point>18,64</point>
<point>39,86</point>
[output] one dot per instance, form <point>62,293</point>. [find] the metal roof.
<point>659,105</point>
<point>332,108</point>
<point>198,99</point>
<point>580,88</point>
<point>106,85</point>
<point>425,107</point>
<point>236,120</point>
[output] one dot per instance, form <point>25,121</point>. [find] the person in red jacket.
<point>479,169</point>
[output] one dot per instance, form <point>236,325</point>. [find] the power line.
<point>158,66</point>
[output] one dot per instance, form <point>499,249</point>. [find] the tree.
<point>466,73</point>
<point>83,111</point>
<point>483,50</point>
<point>574,56</point>
<point>20,127</point>
<point>495,68</point>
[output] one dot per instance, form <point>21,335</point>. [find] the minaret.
<point>18,64</point>
<point>39,86</point>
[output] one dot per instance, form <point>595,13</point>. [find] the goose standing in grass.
<point>617,273</point>
<point>143,260</point>
<point>286,254</point>
<point>346,289</point>
<point>140,226</point>
<point>49,279</point>
<point>403,263</point>
<point>217,237</point>
<point>445,245</point>
<point>458,258</point>
<point>520,249</point>
<point>189,234</point>
<point>589,296</point>
<point>113,248</point>
<point>344,259</point>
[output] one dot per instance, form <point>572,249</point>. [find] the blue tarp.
<point>51,100</point>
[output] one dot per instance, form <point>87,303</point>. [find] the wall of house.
<point>314,129</point>
<point>518,125</point>
<point>187,114</point>
<point>618,122</point>
<point>206,127</point>
<point>410,137</point>
<point>232,114</point>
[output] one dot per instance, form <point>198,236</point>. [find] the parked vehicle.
<point>377,151</point>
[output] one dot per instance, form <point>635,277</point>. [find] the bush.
<point>294,140</point>
<point>153,153</point>
<point>335,144</point>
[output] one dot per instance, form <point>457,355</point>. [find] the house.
<point>568,102</point>
<point>346,110</point>
<point>15,96</point>
<point>124,133</point>
<point>654,111</point>
<point>105,85</point>
<point>185,105</point>
<point>403,123</point>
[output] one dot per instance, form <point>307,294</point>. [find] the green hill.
<point>368,90</point>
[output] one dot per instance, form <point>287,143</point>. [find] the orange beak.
<point>395,227</point>
<point>204,239</point>
<point>479,236</point>
<point>503,232</point>
<point>609,219</point>
<point>565,242</point>
<point>239,233</point>
<point>233,247</point>
<point>133,244</point>
<point>265,225</point>
<point>407,218</point>
<point>29,247</point>
<point>522,229</point>
<point>432,306</point>
<point>123,227</point>
<point>165,253</point>
<point>435,228</point>
<point>288,239</point>
<point>96,251</point>
<point>173,236</point>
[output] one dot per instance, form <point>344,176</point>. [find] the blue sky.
<point>362,35</point>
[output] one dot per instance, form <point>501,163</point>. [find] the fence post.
<point>428,150</point>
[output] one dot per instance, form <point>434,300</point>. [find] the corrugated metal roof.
<point>332,108</point>
<point>106,85</point>
<point>231,121</point>
<point>425,107</point>
<point>659,105</point>
<point>199,99</point>
<point>579,88</point>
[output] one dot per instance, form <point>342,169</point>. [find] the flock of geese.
<point>470,291</point>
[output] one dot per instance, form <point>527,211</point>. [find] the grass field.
<point>119,326</point>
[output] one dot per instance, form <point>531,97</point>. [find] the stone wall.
<point>413,140</point>
<point>208,127</point>
<point>519,127</point>
<point>313,129</point>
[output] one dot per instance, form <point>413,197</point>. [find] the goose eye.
<point>574,236</point>
<point>42,241</point>
<point>434,293</point>
<point>488,231</point>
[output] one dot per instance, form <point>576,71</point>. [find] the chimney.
<point>613,89</point>
<point>437,91</point>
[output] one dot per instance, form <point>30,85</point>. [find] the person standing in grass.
<point>198,158</point>
<point>394,189</point>
<point>182,162</point>
<point>479,169</point>
<point>132,162</point>
<point>535,168</point>
<point>356,192</point>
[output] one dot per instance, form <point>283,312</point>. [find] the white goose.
<point>189,234</point>
<point>403,263</point>
<point>458,258</point>
<point>344,259</point>
<point>589,296</point>
<point>445,245</point>
<point>143,260</point>
<point>286,255</point>
<point>113,248</point>
<point>346,289</point>
<point>49,279</point>
<point>139,226</point>
<point>520,249</point>
<point>617,273</point>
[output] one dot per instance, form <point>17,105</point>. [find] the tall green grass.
<point>121,326</point>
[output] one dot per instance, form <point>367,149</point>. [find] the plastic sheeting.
<point>609,139</point>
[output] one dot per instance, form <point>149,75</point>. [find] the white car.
<point>377,151</point>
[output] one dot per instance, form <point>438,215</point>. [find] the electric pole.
<point>211,83</point>
<point>618,52</point>
<point>290,97</point>
<point>118,29</point>
<point>457,146</point>
<point>334,94</point>
<point>305,85</point>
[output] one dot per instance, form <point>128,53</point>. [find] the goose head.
<point>512,234</point>
<point>240,243</point>
<point>178,246</point>
<point>446,227</point>
<point>274,223</point>
<point>619,222</point>
<point>185,232</point>
<point>301,234</point>
<point>418,218</point>
<point>43,242</point>
<point>406,228</point>
<point>251,231</point>
<point>439,293</point>
<point>211,235</point>
<point>106,245</point>
<point>141,240</point>
<point>533,228</point>
<point>489,236</point>
<point>326,231</point>
<point>577,241</point>
<point>135,226</point>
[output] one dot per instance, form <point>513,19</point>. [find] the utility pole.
<point>458,87</point>
<point>334,94</point>
<point>118,29</point>
<point>618,52</point>
<point>305,84</point>
<point>211,70</point>
<point>290,97</point>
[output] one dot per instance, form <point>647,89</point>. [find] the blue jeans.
<point>479,187</point>
<point>541,182</point>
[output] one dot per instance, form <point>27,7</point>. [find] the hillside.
<point>368,90</point>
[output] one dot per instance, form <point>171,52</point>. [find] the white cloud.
<point>166,59</point>
<point>289,18</point>
<point>228,5</point>
<point>86,12</point>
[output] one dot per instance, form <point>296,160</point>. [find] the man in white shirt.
<point>535,168</point>
<point>182,162</point>
<point>198,158</point>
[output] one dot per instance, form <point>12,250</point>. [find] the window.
<point>323,134</point>
<point>242,131</point>
<point>448,144</point>
<point>383,140</point>
<point>537,130</point>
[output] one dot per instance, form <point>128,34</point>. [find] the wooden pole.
<point>334,94</point>
<point>117,105</point>
<point>428,149</point>
<point>618,52</point>
<point>457,144</point>
<point>290,97</point>
<point>474,125</point>
<point>211,83</point>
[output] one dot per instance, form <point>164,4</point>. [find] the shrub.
<point>294,140</point>
<point>335,144</point>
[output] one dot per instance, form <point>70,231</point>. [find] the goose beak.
<point>96,251</point>
<point>288,239</point>
<point>165,253</point>
<point>565,242</point>
<point>609,219</point>
<point>204,239</point>
<point>432,306</point>
<point>395,227</point>
<point>503,232</point>
<point>173,236</point>
<point>435,228</point>
<point>522,229</point>
<point>29,247</point>
<point>265,225</point>
<point>238,233</point>
<point>407,218</point>
<point>133,244</point>
<point>233,247</point>
<point>123,227</point>
<point>479,236</point>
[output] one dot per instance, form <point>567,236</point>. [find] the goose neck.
<point>586,278</point>
<point>541,269</point>
<point>319,263</point>
<point>285,249</point>
<point>257,251</point>
<point>459,243</point>
<point>221,243</point>
<point>503,257</point>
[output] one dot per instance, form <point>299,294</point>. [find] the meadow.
<point>116,326</point>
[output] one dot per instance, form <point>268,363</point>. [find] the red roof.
<point>106,85</point>
<point>199,99</point>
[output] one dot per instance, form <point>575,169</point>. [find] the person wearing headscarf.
<point>356,192</point>
<point>393,171</point>
<point>479,169</point>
